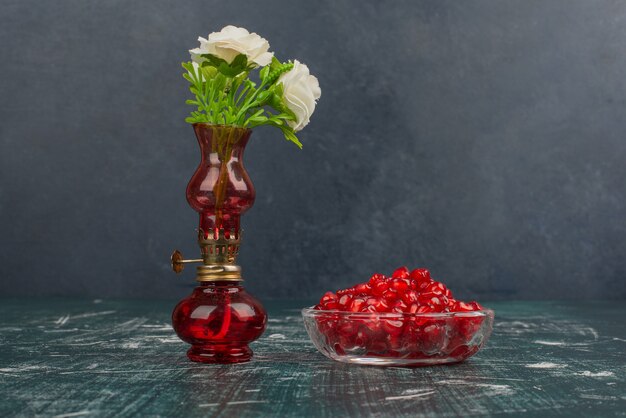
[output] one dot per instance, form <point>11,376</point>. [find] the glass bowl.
<point>398,339</point>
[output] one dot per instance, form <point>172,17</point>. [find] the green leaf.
<point>264,97</point>
<point>213,61</point>
<point>240,61</point>
<point>279,89</point>
<point>257,113</point>
<point>236,67</point>
<point>291,136</point>
<point>277,103</point>
<point>276,121</point>
<point>208,72</point>
<point>253,123</point>
<point>275,64</point>
<point>264,72</point>
<point>248,87</point>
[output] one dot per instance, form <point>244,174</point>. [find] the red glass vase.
<point>219,319</point>
<point>220,190</point>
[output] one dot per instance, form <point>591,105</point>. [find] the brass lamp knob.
<point>178,263</point>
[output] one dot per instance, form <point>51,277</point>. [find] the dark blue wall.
<point>485,140</point>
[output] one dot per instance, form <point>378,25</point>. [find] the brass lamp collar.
<point>218,272</point>
<point>219,250</point>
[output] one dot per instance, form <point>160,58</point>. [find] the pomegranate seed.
<point>369,309</point>
<point>371,325</point>
<point>357,304</point>
<point>424,309</point>
<point>422,286</point>
<point>410,296</point>
<point>379,304</point>
<point>400,285</point>
<point>376,278</point>
<point>437,302</point>
<point>392,326</point>
<point>425,298</point>
<point>347,327</point>
<point>420,275</point>
<point>443,301</point>
<point>345,300</point>
<point>438,307</point>
<point>400,304</point>
<point>328,296</point>
<point>476,306</point>
<point>401,273</point>
<point>362,288</point>
<point>379,288</point>
<point>331,306</point>
<point>342,292</point>
<point>390,296</point>
<point>436,287</point>
<point>463,307</point>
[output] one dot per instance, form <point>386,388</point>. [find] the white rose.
<point>301,90</point>
<point>232,41</point>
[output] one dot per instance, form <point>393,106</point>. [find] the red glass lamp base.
<point>220,353</point>
<point>219,320</point>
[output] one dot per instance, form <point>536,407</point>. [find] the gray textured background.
<point>484,140</point>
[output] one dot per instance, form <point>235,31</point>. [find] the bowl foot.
<point>220,353</point>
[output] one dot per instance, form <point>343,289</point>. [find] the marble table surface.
<point>78,357</point>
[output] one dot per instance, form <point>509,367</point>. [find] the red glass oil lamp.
<point>219,319</point>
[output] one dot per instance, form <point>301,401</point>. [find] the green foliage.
<point>225,95</point>
<point>239,64</point>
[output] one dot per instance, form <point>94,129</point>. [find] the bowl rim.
<point>310,312</point>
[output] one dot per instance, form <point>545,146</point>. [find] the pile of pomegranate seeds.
<point>403,292</point>
<point>450,338</point>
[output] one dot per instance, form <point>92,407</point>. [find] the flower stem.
<point>224,150</point>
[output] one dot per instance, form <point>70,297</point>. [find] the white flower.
<point>232,41</point>
<point>301,90</point>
